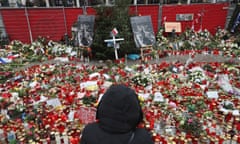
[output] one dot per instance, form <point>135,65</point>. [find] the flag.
<point>236,23</point>
<point>192,25</point>
<point>164,20</point>
<point>115,31</point>
<point>5,60</point>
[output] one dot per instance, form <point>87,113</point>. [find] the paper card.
<point>128,69</point>
<point>223,82</point>
<point>236,91</point>
<point>146,71</point>
<point>106,76</point>
<point>43,98</point>
<point>14,97</point>
<point>158,97</point>
<point>86,114</point>
<point>235,112</point>
<point>71,115</point>
<point>212,94</point>
<point>175,70</point>
<point>149,87</point>
<point>144,95</point>
<point>87,84</point>
<point>73,53</point>
<point>92,75</point>
<point>54,102</point>
<point>68,50</point>
<point>80,95</point>
<point>33,84</point>
<point>196,69</point>
<point>107,84</point>
<point>224,110</point>
<point>62,59</point>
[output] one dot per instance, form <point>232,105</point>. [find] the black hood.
<point>119,110</point>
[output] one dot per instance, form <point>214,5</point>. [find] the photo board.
<point>85,30</point>
<point>142,31</point>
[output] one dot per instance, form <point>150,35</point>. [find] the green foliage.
<point>191,125</point>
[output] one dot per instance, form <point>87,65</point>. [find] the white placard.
<point>158,97</point>
<point>235,112</point>
<point>54,102</point>
<point>71,115</point>
<point>144,95</point>
<point>212,94</point>
<point>87,84</point>
<point>223,82</point>
<point>92,75</point>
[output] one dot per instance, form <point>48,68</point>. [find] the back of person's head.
<point>119,110</point>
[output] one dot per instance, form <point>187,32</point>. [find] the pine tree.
<point>107,18</point>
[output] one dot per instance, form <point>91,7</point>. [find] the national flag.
<point>5,60</point>
<point>115,31</point>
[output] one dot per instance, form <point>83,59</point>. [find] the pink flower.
<point>190,120</point>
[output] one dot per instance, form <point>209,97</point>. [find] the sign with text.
<point>85,27</point>
<point>184,17</point>
<point>170,26</point>
<point>142,31</point>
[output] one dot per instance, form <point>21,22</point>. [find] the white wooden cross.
<point>114,40</point>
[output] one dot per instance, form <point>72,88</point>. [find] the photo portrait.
<point>142,31</point>
<point>85,30</point>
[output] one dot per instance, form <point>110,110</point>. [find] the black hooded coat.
<point>118,115</point>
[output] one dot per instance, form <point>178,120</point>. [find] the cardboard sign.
<point>170,26</point>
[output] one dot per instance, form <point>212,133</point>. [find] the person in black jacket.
<point>118,115</point>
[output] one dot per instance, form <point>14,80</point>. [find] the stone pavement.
<point>181,58</point>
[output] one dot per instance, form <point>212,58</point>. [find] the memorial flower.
<point>191,125</point>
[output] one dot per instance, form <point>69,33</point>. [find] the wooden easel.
<point>81,54</point>
<point>146,51</point>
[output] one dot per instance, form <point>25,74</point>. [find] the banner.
<point>85,30</point>
<point>142,31</point>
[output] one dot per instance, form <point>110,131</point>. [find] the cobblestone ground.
<point>173,58</point>
<point>183,59</point>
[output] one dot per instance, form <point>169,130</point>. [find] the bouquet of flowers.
<point>190,124</point>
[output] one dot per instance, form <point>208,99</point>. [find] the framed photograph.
<point>142,31</point>
<point>85,29</point>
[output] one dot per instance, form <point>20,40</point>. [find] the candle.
<point>2,137</point>
<point>65,138</point>
<point>57,138</point>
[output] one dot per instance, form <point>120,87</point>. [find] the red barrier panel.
<point>209,16</point>
<point>55,22</point>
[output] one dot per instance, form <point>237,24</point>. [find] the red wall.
<point>214,15</point>
<point>144,10</point>
<point>50,22</point>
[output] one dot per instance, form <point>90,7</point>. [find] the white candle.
<point>65,138</point>
<point>57,138</point>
